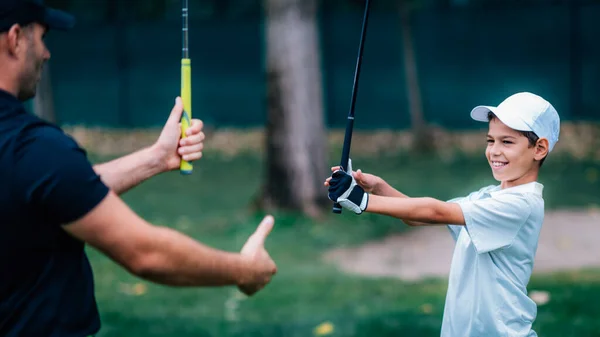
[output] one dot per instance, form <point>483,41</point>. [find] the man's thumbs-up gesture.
<point>260,265</point>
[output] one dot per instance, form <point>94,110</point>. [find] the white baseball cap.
<point>524,111</point>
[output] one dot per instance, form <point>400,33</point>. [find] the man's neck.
<point>7,77</point>
<point>8,87</point>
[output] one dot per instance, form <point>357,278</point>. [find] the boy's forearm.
<point>386,190</point>
<point>413,211</point>
<point>171,258</point>
<point>126,172</point>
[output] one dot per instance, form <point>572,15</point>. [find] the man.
<point>53,201</point>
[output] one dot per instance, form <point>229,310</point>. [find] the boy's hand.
<point>369,182</point>
<point>344,190</point>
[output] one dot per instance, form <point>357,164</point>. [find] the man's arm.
<point>165,256</point>
<point>124,173</point>
<point>418,211</point>
<point>53,178</point>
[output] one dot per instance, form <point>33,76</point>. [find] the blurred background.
<point>272,81</point>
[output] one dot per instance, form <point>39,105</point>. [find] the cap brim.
<point>59,20</point>
<point>480,114</point>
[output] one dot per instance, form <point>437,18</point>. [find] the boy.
<point>496,228</point>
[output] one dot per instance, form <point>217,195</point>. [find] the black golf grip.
<point>345,154</point>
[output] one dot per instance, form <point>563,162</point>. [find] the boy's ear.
<point>541,149</point>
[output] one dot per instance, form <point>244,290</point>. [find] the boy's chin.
<point>499,176</point>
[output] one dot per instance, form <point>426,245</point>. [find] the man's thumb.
<point>264,228</point>
<point>176,112</point>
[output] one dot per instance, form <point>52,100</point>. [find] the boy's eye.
<point>507,142</point>
<point>490,141</point>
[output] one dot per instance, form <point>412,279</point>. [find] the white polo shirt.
<point>492,263</point>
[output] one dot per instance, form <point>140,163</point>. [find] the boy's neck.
<point>528,177</point>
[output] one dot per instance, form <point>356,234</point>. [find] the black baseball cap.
<point>24,12</point>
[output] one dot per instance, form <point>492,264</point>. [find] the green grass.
<point>213,206</point>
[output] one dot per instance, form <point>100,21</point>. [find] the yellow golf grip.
<point>186,118</point>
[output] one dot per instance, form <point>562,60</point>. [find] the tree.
<point>43,102</point>
<point>295,133</point>
<point>422,142</point>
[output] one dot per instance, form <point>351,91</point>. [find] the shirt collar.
<point>532,187</point>
<point>9,104</point>
<point>5,95</point>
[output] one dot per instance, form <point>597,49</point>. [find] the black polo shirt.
<point>46,181</point>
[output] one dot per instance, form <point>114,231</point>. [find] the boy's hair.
<point>530,135</point>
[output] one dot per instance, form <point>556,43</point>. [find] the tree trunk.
<point>421,140</point>
<point>43,102</point>
<point>295,136</point>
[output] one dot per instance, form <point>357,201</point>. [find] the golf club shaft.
<point>350,121</point>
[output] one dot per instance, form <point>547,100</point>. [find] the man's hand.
<point>170,148</point>
<point>344,190</point>
<point>369,182</point>
<point>260,265</point>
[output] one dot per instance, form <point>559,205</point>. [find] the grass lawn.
<point>308,297</point>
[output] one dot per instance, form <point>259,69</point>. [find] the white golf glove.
<point>344,190</point>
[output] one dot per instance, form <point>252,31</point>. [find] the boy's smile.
<point>510,155</point>
<point>497,165</point>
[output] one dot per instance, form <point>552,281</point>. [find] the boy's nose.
<point>496,150</point>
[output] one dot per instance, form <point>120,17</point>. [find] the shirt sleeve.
<point>493,223</point>
<point>455,229</point>
<point>54,177</point>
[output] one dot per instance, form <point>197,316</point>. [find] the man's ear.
<point>541,149</point>
<point>14,39</point>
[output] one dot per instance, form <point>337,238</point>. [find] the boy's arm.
<point>343,188</point>
<point>491,223</point>
<point>386,190</point>
<point>418,211</point>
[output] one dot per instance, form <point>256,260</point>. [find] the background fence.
<point>125,73</point>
